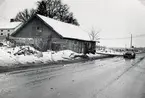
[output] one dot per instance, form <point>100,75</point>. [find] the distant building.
<point>62,35</point>
<point>8,28</point>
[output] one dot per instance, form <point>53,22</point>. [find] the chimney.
<point>12,20</point>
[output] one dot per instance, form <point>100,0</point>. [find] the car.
<point>129,54</point>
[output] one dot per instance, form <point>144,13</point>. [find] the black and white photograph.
<point>72,48</point>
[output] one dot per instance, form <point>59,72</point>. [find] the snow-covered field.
<point>28,55</point>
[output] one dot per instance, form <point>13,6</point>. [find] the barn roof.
<point>66,30</point>
<point>9,25</point>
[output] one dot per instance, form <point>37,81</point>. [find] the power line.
<point>120,38</point>
<point>136,36</point>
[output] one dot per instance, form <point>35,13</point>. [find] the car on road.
<point>129,54</point>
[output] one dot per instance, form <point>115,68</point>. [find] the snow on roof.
<point>65,29</point>
<point>9,25</point>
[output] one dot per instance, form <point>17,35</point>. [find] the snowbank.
<point>109,52</point>
<point>6,58</point>
<point>26,54</point>
<point>94,55</point>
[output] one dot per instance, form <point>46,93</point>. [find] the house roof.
<point>9,25</point>
<point>66,30</point>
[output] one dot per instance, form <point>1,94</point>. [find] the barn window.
<point>39,29</point>
<point>1,30</point>
<point>8,30</point>
<point>1,33</point>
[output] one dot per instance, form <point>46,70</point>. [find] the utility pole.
<point>131,42</point>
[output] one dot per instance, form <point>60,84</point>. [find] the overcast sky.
<point>115,18</point>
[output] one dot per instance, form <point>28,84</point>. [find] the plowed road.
<point>105,78</point>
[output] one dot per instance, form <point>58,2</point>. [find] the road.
<point>104,78</point>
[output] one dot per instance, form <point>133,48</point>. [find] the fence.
<point>41,44</point>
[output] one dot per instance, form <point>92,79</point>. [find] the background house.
<point>8,28</point>
<point>55,35</point>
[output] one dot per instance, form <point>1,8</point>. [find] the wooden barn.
<point>61,35</point>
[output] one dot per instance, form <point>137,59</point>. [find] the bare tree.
<point>24,15</point>
<point>50,8</point>
<point>57,10</point>
<point>94,35</point>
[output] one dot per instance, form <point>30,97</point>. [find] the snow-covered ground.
<point>28,55</point>
<point>110,52</point>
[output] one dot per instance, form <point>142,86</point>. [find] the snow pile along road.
<point>22,55</point>
<point>28,55</point>
<point>6,58</point>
